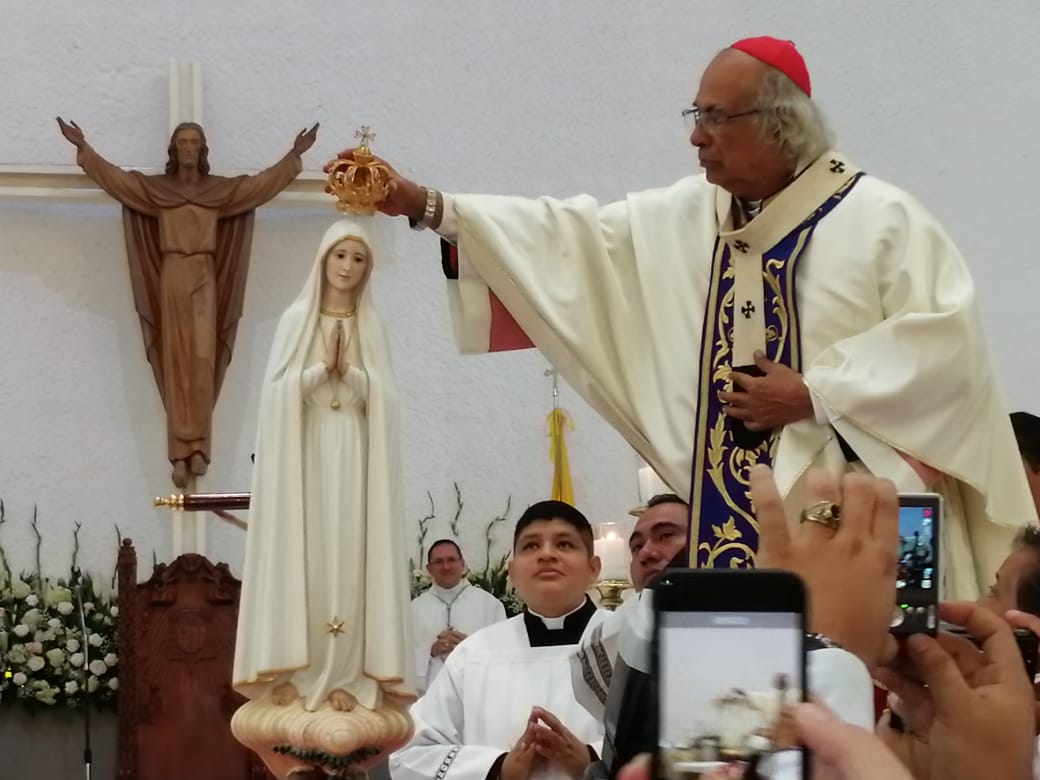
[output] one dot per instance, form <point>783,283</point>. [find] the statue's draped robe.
<point>325,585</point>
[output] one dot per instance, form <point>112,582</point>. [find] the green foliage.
<point>337,766</point>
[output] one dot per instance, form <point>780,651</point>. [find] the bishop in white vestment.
<point>783,260</point>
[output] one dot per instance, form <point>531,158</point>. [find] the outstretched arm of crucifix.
<point>253,191</point>
<point>128,187</point>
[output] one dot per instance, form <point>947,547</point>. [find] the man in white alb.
<point>448,611</point>
<point>503,707</point>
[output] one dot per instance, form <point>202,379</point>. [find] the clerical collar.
<point>563,630</point>
<point>748,209</point>
<point>751,207</point>
<point>449,593</point>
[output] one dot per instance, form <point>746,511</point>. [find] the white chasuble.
<point>616,296</point>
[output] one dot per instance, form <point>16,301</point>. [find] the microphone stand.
<point>87,753</point>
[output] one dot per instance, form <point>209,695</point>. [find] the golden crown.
<point>357,179</point>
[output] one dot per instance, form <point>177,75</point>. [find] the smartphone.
<point>1028,646</point>
<point>917,577</point>
<point>727,665</point>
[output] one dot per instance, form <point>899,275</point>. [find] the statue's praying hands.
<point>342,364</point>
<point>334,349</point>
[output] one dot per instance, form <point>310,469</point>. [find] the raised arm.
<point>253,191</point>
<point>128,187</point>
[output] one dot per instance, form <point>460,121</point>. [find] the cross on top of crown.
<point>365,134</point>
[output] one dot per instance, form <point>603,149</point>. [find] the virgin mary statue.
<point>323,621</point>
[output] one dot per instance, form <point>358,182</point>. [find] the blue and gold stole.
<point>723,531</point>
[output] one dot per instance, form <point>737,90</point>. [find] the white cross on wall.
<point>68,183</point>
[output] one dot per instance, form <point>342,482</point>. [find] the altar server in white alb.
<point>784,307</point>
<point>448,611</point>
<point>503,706</point>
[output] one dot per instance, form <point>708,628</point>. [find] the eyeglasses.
<point>711,119</point>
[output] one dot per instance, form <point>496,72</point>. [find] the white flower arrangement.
<point>45,658</point>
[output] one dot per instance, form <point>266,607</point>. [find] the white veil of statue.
<point>325,591</point>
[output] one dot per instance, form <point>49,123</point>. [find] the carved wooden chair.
<point>176,649</point>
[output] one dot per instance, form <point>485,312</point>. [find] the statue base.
<point>296,744</point>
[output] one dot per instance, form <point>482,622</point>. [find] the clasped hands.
<point>336,362</point>
<point>445,642</point>
<point>545,739</point>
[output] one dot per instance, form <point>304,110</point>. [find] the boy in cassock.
<point>503,707</point>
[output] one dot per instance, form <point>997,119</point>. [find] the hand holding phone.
<point>848,571</point>
<point>973,708</point>
<point>917,576</point>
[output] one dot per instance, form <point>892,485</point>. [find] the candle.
<point>613,553</point>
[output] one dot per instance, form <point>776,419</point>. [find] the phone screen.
<point>727,682</point>
<point>917,577</point>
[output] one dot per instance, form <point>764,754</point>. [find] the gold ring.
<point>823,512</point>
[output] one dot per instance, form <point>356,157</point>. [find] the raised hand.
<point>72,133</point>
<point>305,140</point>
<point>404,199</point>
<point>849,571</point>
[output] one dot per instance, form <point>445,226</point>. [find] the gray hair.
<point>791,119</point>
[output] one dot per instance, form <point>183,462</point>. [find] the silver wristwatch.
<point>428,213</point>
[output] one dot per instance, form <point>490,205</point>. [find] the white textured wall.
<point>479,95</point>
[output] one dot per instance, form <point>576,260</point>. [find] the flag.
<point>562,489</point>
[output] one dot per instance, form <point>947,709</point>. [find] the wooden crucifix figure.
<point>188,237</point>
